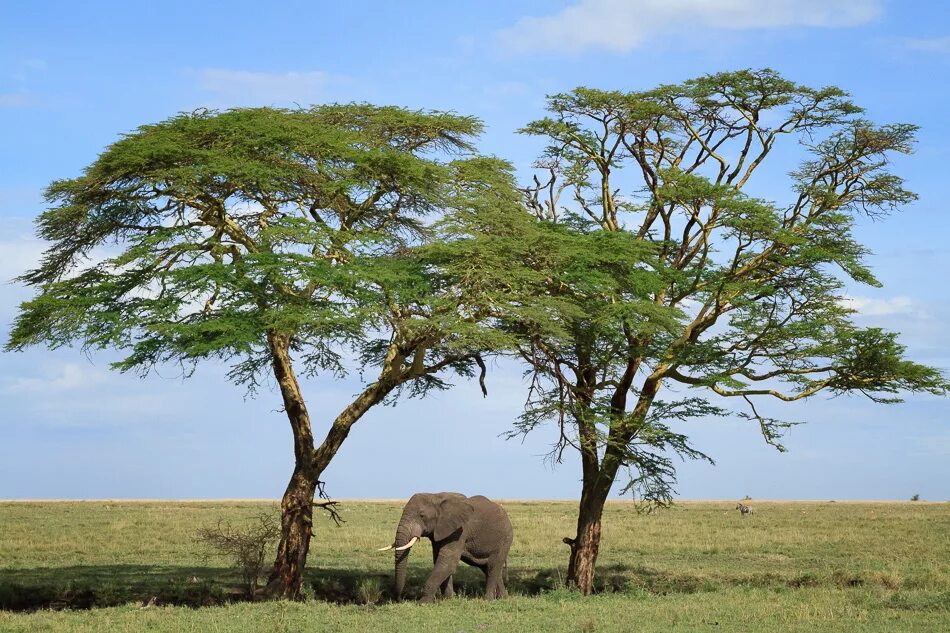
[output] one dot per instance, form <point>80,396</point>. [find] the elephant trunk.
<point>404,533</point>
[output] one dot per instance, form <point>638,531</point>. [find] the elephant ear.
<point>453,514</point>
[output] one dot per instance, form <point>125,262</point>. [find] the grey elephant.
<point>471,529</point>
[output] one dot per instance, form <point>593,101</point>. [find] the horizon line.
<point>403,499</point>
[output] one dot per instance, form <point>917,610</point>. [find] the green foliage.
<point>195,237</point>
<point>266,238</point>
<point>736,296</point>
<point>872,362</point>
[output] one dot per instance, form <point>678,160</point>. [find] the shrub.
<point>369,591</point>
<point>246,546</point>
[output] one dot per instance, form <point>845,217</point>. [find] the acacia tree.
<point>671,275</point>
<point>279,242</point>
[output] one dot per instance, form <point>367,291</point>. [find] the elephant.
<point>471,529</point>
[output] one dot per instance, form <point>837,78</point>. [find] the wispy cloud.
<point>893,306</point>
<point>25,68</point>
<point>64,377</point>
<point>622,25</point>
<point>79,409</point>
<point>22,72</point>
<point>34,63</point>
<point>16,256</point>
<point>929,44</point>
<point>248,88</point>
<point>933,445</point>
<point>504,89</point>
<point>16,100</point>
<point>82,395</point>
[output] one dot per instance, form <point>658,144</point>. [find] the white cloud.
<point>22,96</point>
<point>894,306</point>
<point>64,377</point>
<point>622,25</point>
<point>26,68</point>
<point>244,88</point>
<point>504,89</point>
<point>82,395</point>
<point>16,100</point>
<point>16,256</point>
<point>85,410</point>
<point>929,45</point>
<point>34,63</point>
<point>933,445</point>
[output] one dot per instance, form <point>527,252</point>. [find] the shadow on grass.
<point>84,587</point>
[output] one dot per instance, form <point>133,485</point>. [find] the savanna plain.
<point>698,566</point>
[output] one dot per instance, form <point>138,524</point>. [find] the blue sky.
<point>73,76</point>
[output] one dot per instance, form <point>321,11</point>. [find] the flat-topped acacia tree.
<point>279,242</point>
<point>678,293</point>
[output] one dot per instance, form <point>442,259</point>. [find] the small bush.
<point>247,547</point>
<point>307,594</point>
<point>915,498</point>
<point>369,591</point>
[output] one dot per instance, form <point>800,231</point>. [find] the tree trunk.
<point>296,528</point>
<point>599,476</point>
<point>296,506</point>
<point>586,543</point>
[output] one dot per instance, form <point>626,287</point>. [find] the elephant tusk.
<point>383,549</point>
<point>411,542</point>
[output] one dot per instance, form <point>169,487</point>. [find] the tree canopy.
<point>279,242</point>
<point>669,273</point>
<point>640,281</point>
<point>209,230</point>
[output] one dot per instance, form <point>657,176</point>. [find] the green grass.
<point>696,567</point>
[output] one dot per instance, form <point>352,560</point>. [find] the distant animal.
<point>470,529</point>
<point>744,509</point>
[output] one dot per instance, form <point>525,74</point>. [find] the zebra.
<point>744,509</point>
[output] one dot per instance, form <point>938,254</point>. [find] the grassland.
<point>697,567</point>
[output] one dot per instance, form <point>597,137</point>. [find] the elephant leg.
<point>445,565</point>
<point>446,589</point>
<point>494,581</point>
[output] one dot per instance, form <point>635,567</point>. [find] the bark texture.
<point>296,523</point>
<point>296,506</point>
<point>599,473</point>
<point>585,546</point>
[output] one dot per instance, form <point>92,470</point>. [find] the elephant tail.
<point>505,570</point>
